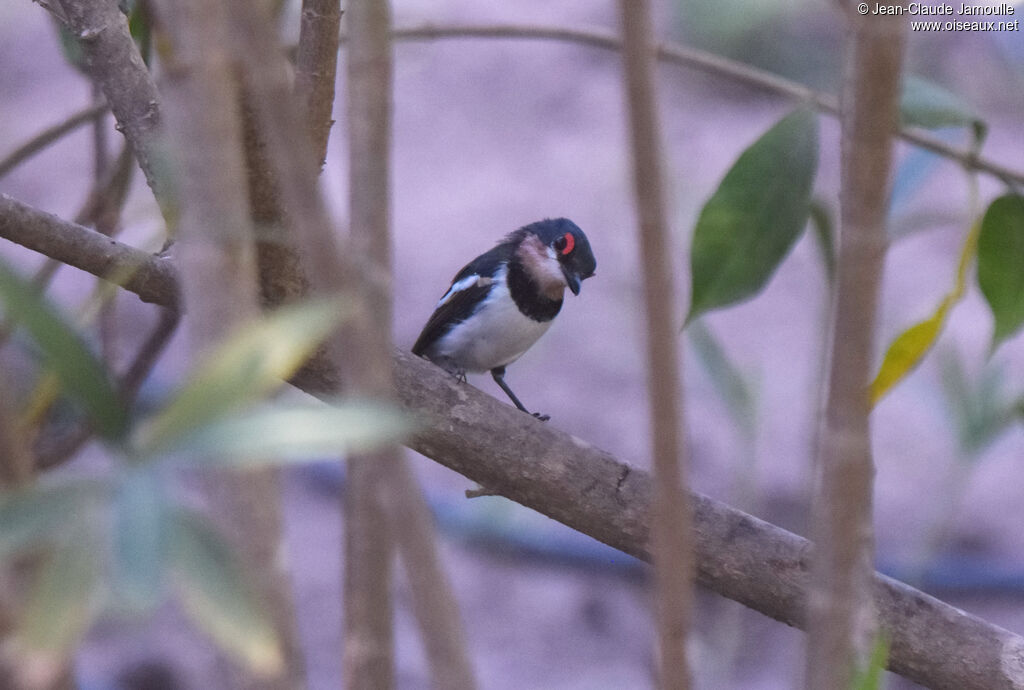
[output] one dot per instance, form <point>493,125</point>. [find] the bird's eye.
<point>565,244</point>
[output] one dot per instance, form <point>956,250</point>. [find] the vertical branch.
<point>218,268</point>
<point>316,66</point>
<point>841,619</point>
<point>671,524</point>
<point>117,66</point>
<point>368,650</point>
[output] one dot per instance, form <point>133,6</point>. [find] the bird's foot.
<point>541,417</point>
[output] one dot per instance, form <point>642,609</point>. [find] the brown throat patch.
<point>542,267</point>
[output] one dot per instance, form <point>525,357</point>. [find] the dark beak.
<point>572,279</point>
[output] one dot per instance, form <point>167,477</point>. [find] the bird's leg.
<point>498,373</point>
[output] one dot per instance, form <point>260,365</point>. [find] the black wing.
<point>461,304</point>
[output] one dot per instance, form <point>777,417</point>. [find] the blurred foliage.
<point>116,541</point>
<point>773,35</point>
<point>981,410</point>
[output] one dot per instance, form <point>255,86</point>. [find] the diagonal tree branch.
<point>708,63</point>
<point>117,66</point>
<point>738,556</point>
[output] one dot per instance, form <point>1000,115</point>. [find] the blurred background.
<point>493,134</point>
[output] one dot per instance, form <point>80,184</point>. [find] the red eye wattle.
<point>570,243</point>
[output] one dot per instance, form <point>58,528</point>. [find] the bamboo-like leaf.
<point>248,366</point>
<point>910,346</point>
<point>1001,264</point>
<point>282,433</point>
<point>926,104</point>
<point>61,606</point>
<point>33,517</point>
<point>81,374</point>
<point>140,541</point>
<point>218,598</point>
<point>759,210</point>
<point>729,380</point>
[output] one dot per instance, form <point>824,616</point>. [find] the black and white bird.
<point>501,302</point>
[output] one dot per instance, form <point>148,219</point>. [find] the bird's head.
<point>558,254</point>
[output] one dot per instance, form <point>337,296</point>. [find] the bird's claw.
<point>541,417</point>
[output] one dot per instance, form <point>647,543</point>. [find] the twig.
<point>15,458</point>
<point>52,452</point>
<point>316,66</point>
<point>102,206</point>
<point>116,65</point>
<point>49,136</point>
<point>671,520</point>
<point>708,63</point>
<point>739,556</point>
<point>841,620</point>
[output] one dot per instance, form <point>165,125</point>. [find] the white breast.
<point>496,335</point>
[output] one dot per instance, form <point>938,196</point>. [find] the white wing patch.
<point>474,280</point>
<point>497,334</point>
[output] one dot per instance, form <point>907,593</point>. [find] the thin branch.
<point>708,63</point>
<point>218,261</point>
<point>51,452</point>
<point>50,135</point>
<point>15,458</point>
<point>738,556</point>
<point>116,65</point>
<point>102,207</point>
<point>671,519</point>
<point>369,540</point>
<point>841,620</point>
<point>153,279</point>
<point>316,65</point>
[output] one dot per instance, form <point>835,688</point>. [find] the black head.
<point>570,247</point>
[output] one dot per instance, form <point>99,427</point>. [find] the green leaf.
<point>759,210</point>
<point>218,598</point>
<point>926,104</point>
<point>248,366</point>
<point>1001,264</point>
<point>80,373</point>
<point>140,541</point>
<point>64,600</point>
<point>36,516</point>
<point>910,346</point>
<point>871,678</point>
<point>283,433</point>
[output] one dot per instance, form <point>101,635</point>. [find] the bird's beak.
<point>573,280</point>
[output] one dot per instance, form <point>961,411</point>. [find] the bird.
<point>502,301</point>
